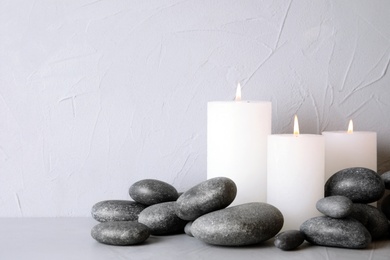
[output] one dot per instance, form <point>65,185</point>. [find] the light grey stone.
<point>150,192</point>
<point>289,240</point>
<point>213,194</point>
<point>335,206</point>
<point>326,231</point>
<point>116,210</point>
<point>162,219</point>
<point>361,185</point>
<point>373,219</point>
<point>240,225</point>
<point>120,233</point>
<point>187,229</point>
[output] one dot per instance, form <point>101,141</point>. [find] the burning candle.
<point>237,145</point>
<point>345,149</point>
<point>295,175</point>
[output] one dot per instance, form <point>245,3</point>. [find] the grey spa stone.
<point>150,192</point>
<point>361,185</point>
<point>372,218</point>
<point>162,219</point>
<point>386,179</point>
<point>116,210</point>
<point>213,194</point>
<point>240,225</point>
<point>335,206</point>
<point>120,233</point>
<point>345,233</point>
<point>289,240</point>
<point>385,207</point>
<point>187,229</point>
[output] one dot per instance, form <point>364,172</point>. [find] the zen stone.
<point>361,185</point>
<point>213,194</point>
<point>385,207</point>
<point>326,231</point>
<point>162,219</point>
<point>150,192</point>
<point>386,179</point>
<point>240,225</point>
<point>187,229</point>
<point>335,206</point>
<point>374,220</point>
<point>120,233</point>
<point>116,210</point>
<point>289,240</point>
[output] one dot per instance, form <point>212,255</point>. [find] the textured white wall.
<point>95,95</point>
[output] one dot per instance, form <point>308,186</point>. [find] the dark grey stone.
<point>213,194</point>
<point>326,231</point>
<point>116,210</point>
<point>361,185</point>
<point>386,179</point>
<point>385,207</point>
<point>372,218</point>
<point>187,229</point>
<point>240,225</point>
<point>120,233</point>
<point>162,219</point>
<point>150,192</point>
<point>289,240</point>
<point>335,206</point>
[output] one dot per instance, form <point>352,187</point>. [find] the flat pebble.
<point>240,225</point>
<point>151,191</point>
<point>116,210</point>
<point>187,229</point>
<point>361,185</point>
<point>373,219</point>
<point>162,219</point>
<point>120,233</point>
<point>345,232</point>
<point>335,206</point>
<point>213,194</point>
<point>289,240</point>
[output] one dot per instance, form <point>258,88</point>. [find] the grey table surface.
<point>69,238</point>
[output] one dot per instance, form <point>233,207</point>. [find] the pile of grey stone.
<point>349,221</point>
<point>200,212</point>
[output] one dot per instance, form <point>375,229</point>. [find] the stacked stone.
<point>200,212</point>
<point>348,221</point>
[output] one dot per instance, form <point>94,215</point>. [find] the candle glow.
<point>350,127</point>
<point>296,126</point>
<point>238,93</point>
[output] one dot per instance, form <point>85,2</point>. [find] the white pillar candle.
<point>295,175</point>
<point>345,149</point>
<point>237,145</point>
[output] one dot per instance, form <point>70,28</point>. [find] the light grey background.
<point>95,95</point>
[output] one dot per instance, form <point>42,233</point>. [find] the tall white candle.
<point>295,176</point>
<point>345,149</point>
<point>237,145</point>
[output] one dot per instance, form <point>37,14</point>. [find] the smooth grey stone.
<point>386,179</point>
<point>335,206</point>
<point>162,219</point>
<point>120,233</point>
<point>289,240</point>
<point>385,207</point>
<point>150,192</point>
<point>187,229</point>
<point>213,194</point>
<point>116,210</point>
<point>245,224</point>
<point>377,223</point>
<point>345,232</point>
<point>361,185</point>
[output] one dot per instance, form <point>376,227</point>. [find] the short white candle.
<point>237,145</point>
<point>345,149</point>
<point>295,175</point>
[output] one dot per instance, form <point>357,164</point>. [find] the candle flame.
<point>238,92</point>
<point>350,127</point>
<point>296,126</point>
